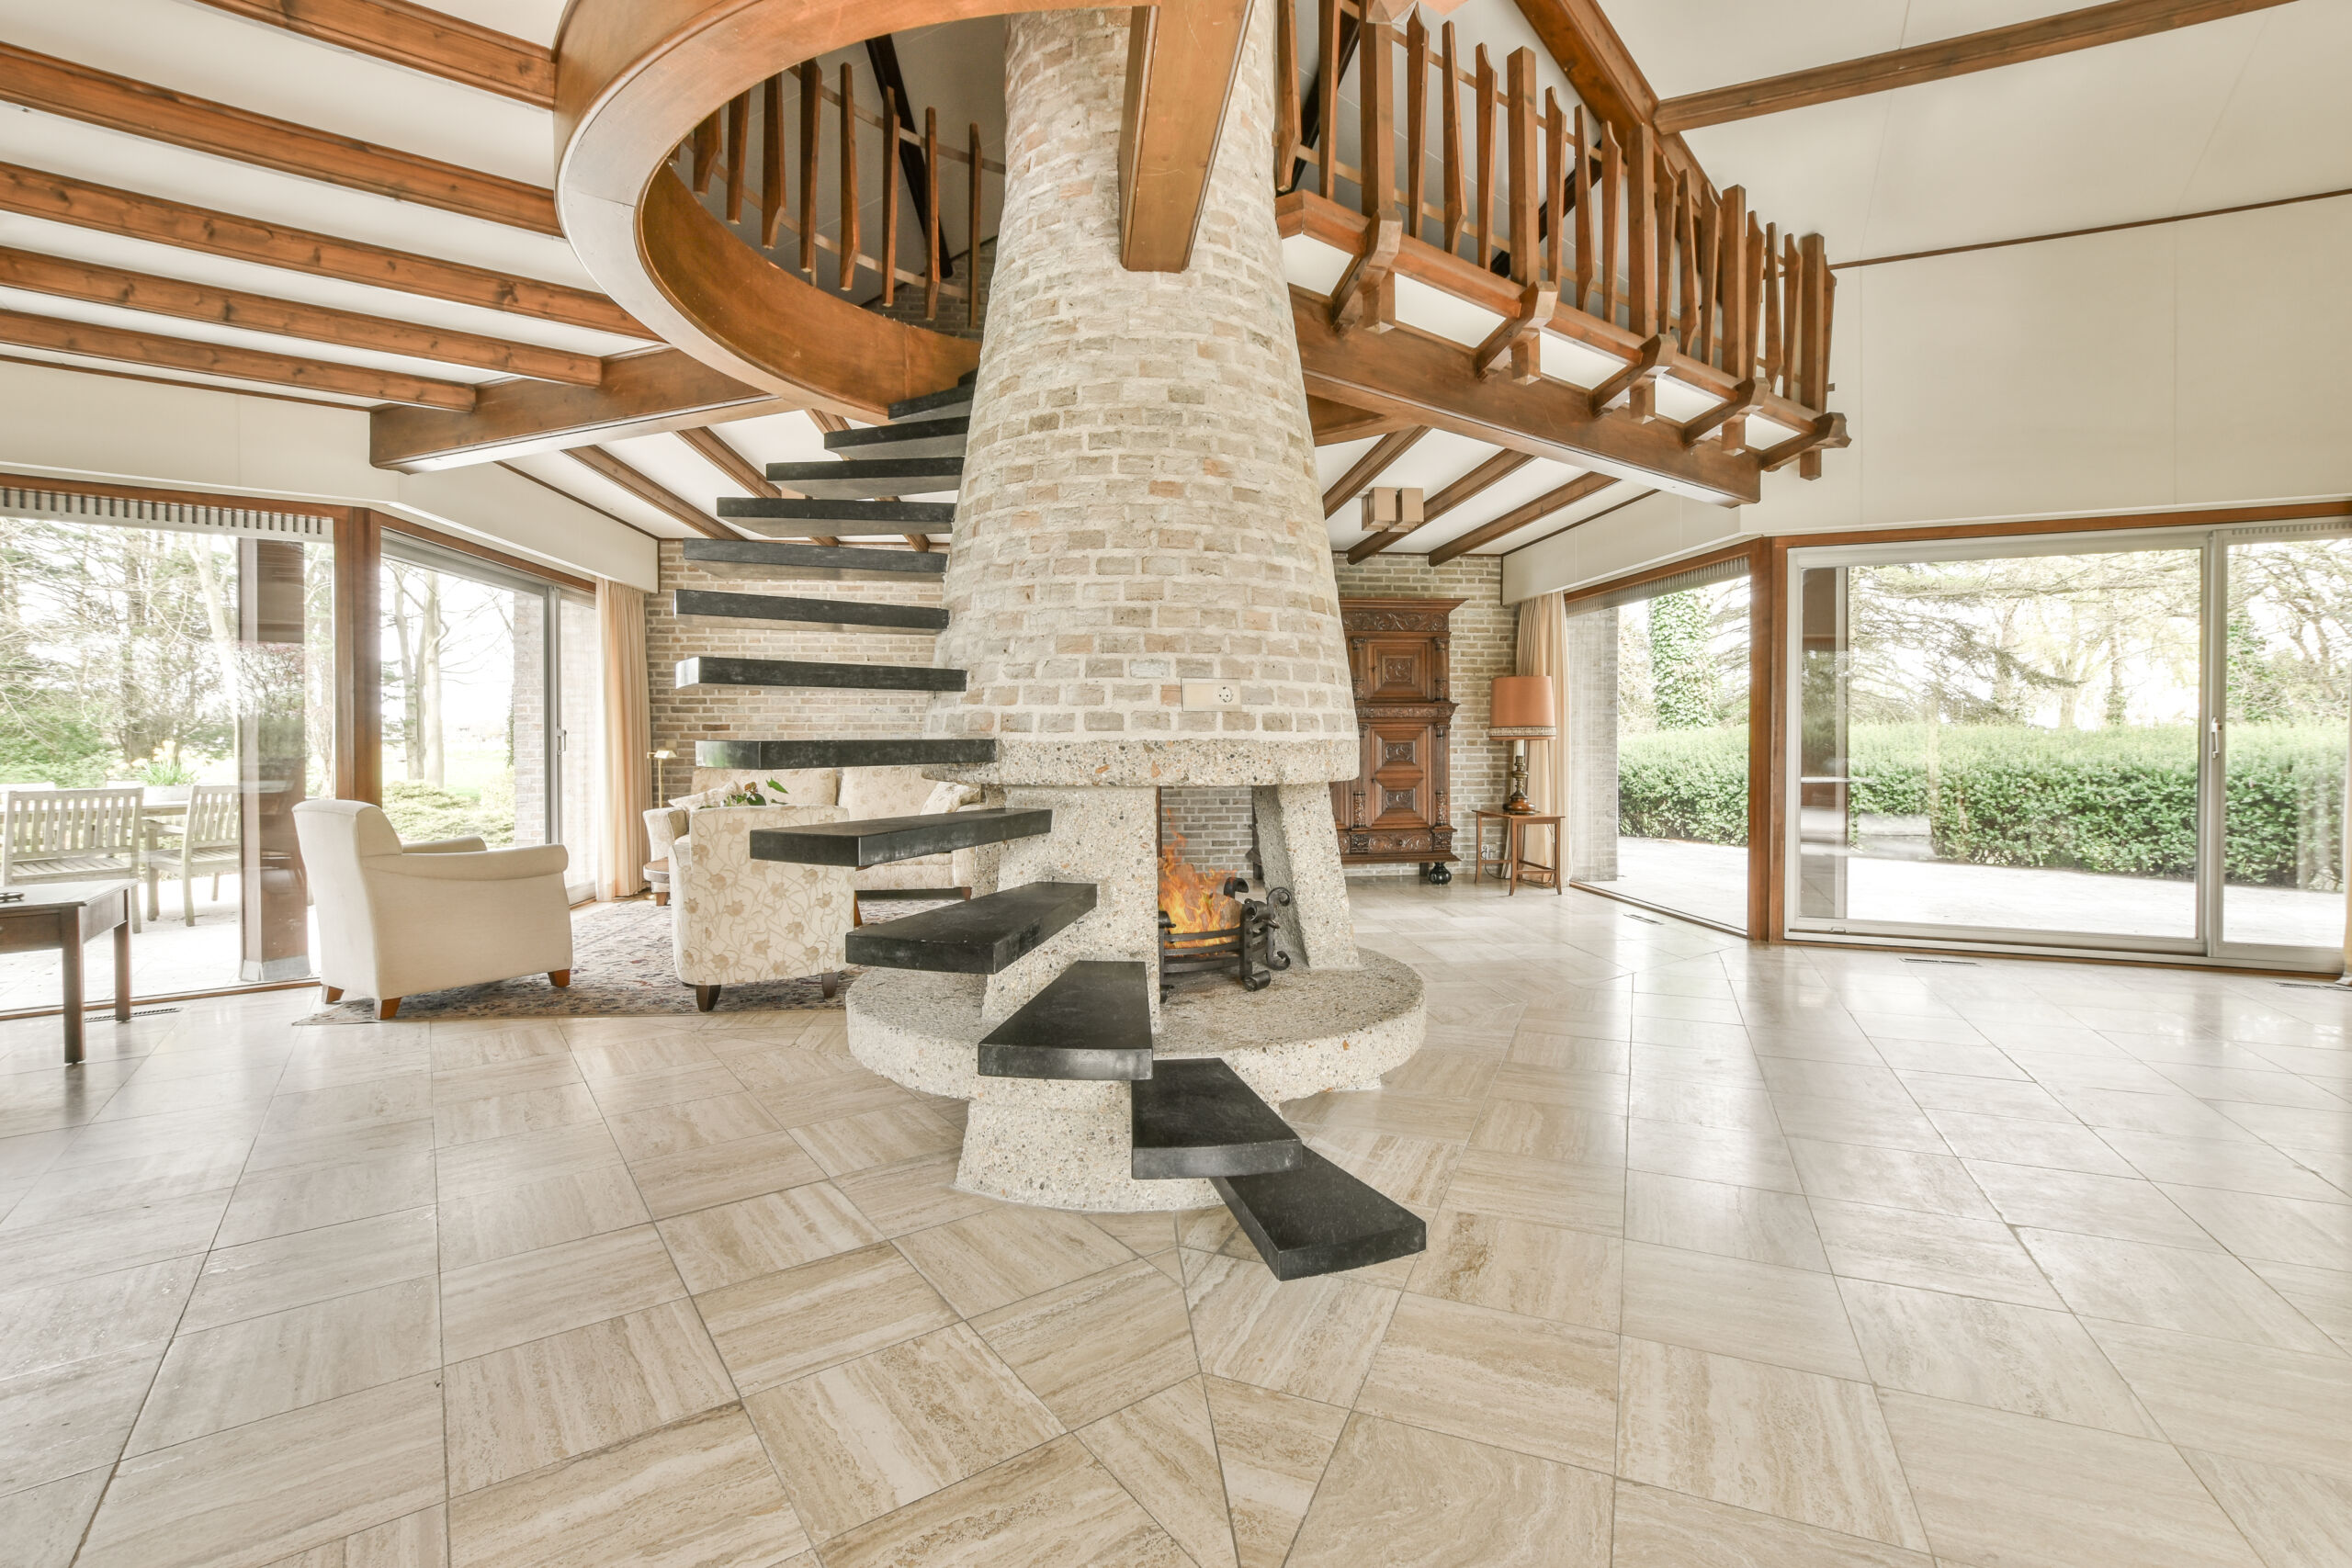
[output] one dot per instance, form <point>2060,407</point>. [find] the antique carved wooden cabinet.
<point>1395,810</point>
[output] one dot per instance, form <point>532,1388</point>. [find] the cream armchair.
<point>735,920</point>
<point>396,918</point>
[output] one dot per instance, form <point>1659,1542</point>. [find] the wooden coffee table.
<point>65,915</point>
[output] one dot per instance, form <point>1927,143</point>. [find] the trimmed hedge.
<point>2120,800</point>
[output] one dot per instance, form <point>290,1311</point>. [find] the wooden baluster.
<point>813,104</point>
<point>1580,173</point>
<point>849,235</point>
<point>972,256</point>
<point>1773,364</point>
<point>886,247</point>
<point>1737,353</point>
<point>1706,257</point>
<point>1664,178</point>
<point>1486,229</point>
<point>706,160</point>
<point>1456,205</point>
<point>772,157</point>
<point>1327,98</point>
<point>1612,208</point>
<point>1809,465</point>
<point>1751,294</point>
<point>1285,94</point>
<point>1792,314</point>
<point>1416,103</point>
<point>1640,164</point>
<point>931,215</point>
<point>1686,231</point>
<point>1811,288</point>
<point>738,152</point>
<point>1556,189</point>
<point>1526,180</point>
<point>1376,151</point>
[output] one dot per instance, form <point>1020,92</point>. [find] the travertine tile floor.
<point>1739,1256</point>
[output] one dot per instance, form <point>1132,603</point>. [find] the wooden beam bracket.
<point>1520,339</point>
<point>1829,431</point>
<point>1743,402</point>
<point>1656,355</point>
<point>1366,295</point>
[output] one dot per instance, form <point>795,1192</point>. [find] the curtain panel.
<point>1544,650</point>
<point>629,739</point>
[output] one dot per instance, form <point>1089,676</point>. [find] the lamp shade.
<point>1523,706</point>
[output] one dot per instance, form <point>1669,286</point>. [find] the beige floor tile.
<point>1398,1497</point>
<point>2170,1287</point>
<point>94,1315</point>
<point>68,1416</point>
<point>1098,1344</point>
<point>1385,1110</point>
<point>1007,1253</point>
<point>723,1173</point>
<point>418,1540</point>
<point>534,1214</point>
<point>506,1115</point>
<point>1312,1337</point>
<point>1551,1132</point>
<point>1713,1216</point>
<point>2009,1140</point>
<point>2322,1295</point>
<point>2291,1517</point>
<point>851,1093</point>
<point>911,1196</point>
<point>2129,1210</point>
<point>530,1295</point>
<point>43,1524</point>
<point>282,1201</point>
<point>1893,1178</point>
<point>665,1086</point>
<point>690,1124</point>
<point>273,1488</point>
<point>263,1277</point>
<point>517,1409</point>
<point>1519,1186</point>
<point>1164,1451</point>
<point>761,1235</point>
<point>2281,1230</point>
<point>781,1327</point>
<point>635,1049</point>
<point>1540,1388</point>
<point>1659,1528</point>
<point>1517,1265</point>
<point>1142,1235</point>
<point>766,1069</point>
<point>474,1170</point>
<point>1745,1158</point>
<point>2001,1490</point>
<point>486,1080</point>
<point>2027,1359</point>
<point>1413,1171</point>
<point>857,1440</point>
<point>454,1053</point>
<point>363,1104</point>
<point>1051,1508</point>
<point>1702,1102</point>
<point>1790,1443</point>
<point>1273,1448</point>
<point>1902,1247</point>
<point>1857,1121</point>
<point>115,1185</point>
<point>73,1248</point>
<point>299,1151</point>
<point>1571,1053</point>
<point>2243,1401</point>
<point>876,1137</point>
<point>2232,1163</point>
<point>1789,1317</point>
<point>257,1367</point>
<point>697,1495</point>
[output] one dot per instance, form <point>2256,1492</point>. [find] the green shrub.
<point>2121,800</point>
<point>423,811</point>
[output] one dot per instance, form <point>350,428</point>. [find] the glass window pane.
<point>2002,744</point>
<point>2288,683</point>
<point>581,659</point>
<point>465,706</point>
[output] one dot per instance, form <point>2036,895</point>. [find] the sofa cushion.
<point>803,786</point>
<point>868,792</point>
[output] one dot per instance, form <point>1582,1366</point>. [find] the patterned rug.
<point>621,968</point>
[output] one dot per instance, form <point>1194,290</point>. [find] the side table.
<point>65,915</point>
<point>1514,860</point>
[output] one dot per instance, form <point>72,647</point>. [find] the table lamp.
<point>1523,710</point>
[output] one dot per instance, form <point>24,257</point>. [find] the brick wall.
<point>1214,820</point>
<point>1485,644</point>
<point>752,713</point>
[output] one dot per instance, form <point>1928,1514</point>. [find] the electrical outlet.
<point>1212,695</point>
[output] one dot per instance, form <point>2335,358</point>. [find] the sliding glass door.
<point>2124,742</point>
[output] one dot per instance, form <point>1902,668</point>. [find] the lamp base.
<point>1515,802</point>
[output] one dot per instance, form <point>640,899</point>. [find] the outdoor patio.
<point>166,958</point>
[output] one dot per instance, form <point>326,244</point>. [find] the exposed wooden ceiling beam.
<point>1477,482</point>
<point>643,394</point>
<point>1182,60</point>
<point>1370,466</point>
<point>1987,51</point>
<point>713,448</point>
<point>1519,517</point>
<point>1602,70</point>
<point>602,464</point>
<point>1334,422</point>
<point>243,364</point>
<point>422,39</point>
<point>103,209</point>
<point>284,318</point>
<point>1428,380</point>
<point>140,108</point>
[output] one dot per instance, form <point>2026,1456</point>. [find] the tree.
<point>1683,665</point>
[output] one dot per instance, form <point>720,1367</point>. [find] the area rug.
<point>621,968</point>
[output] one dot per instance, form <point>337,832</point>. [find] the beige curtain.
<point>1544,650</point>
<point>628,737</point>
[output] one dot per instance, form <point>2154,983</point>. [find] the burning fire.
<point>1191,897</point>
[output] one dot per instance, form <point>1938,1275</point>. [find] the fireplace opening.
<point>1209,924</point>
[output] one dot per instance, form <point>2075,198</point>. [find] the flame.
<point>1191,897</point>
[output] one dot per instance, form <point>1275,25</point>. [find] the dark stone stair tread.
<point>1092,1021</point>
<point>818,611</point>
<point>822,561</point>
<point>977,937</point>
<point>879,840</point>
<point>711,669</point>
<point>849,516</point>
<point>908,894</point>
<point>931,403</point>
<point>1320,1220</point>
<point>913,438</point>
<point>1194,1117</point>
<point>859,478</point>
<point>783,756</point>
